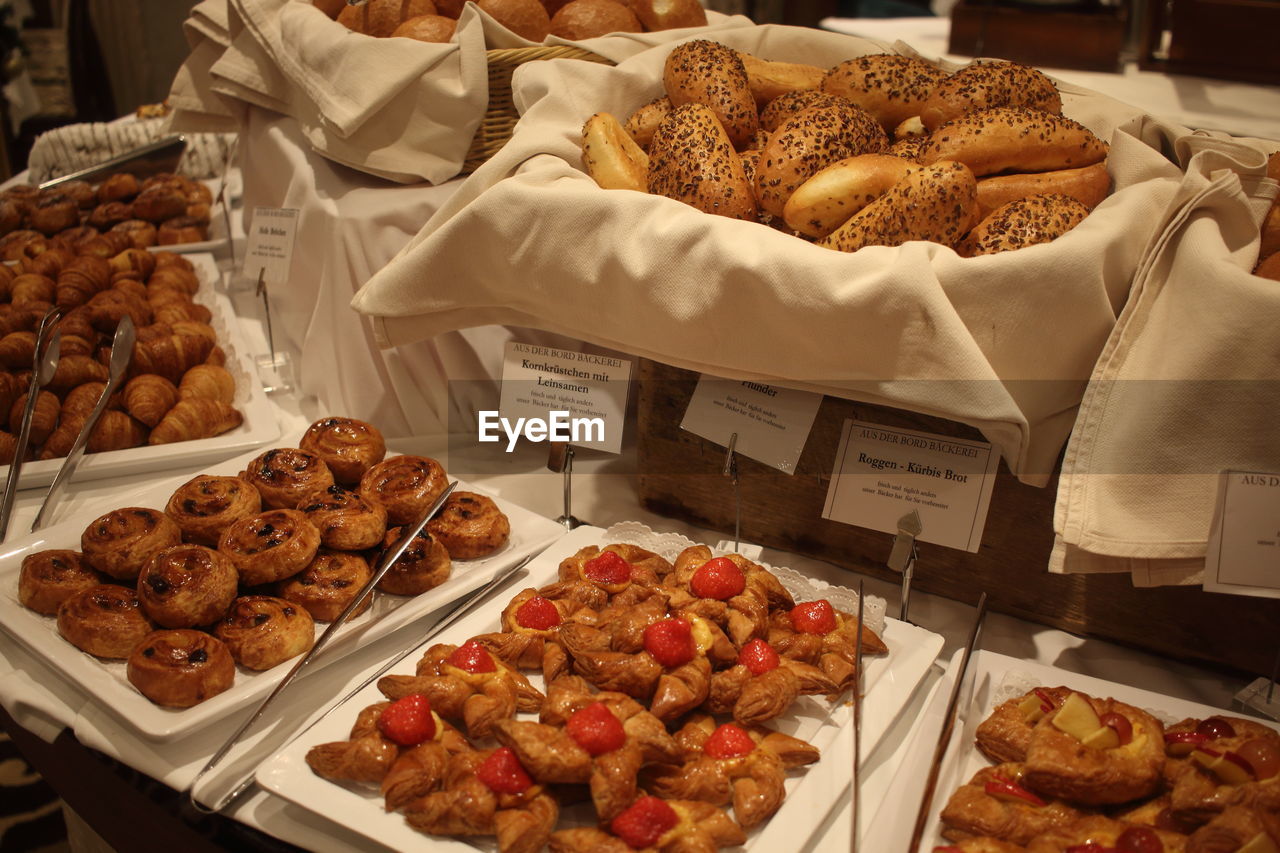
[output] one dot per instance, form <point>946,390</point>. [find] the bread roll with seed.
<point>709,73</point>
<point>989,84</point>
<point>669,14</point>
<point>827,200</point>
<point>785,106</point>
<point>1014,139</point>
<point>892,88</point>
<point>810,141</point>
<point>769,79</point>
<point>1024,222</point>
<point>692,160</point>
<point>643,122</point>
<point>934,203</point>
<point>1088,185</point>
<point>612,157</point>
<point>909,148</point>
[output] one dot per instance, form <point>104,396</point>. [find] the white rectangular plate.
<point>890,680</point>
<point>259,427</point>
<point>991,672</point>
<point>105,681</point>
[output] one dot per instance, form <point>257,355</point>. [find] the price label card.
<point>881,473</point>
<point>772,423</point>
<point>270,244</point>
<point>559,395</point>
<point>1244,541</point>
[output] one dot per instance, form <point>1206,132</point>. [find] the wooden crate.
<point>681,476</point>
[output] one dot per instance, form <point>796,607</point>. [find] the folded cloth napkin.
<point>196,107</point>
<point>1186,385</point>
<point>1005,342</point>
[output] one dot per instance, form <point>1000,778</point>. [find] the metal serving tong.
<point>121,355</point>
<point>388,560</point>
<point>856,786</point>
<point>150,159</point>
<point>43,365</point>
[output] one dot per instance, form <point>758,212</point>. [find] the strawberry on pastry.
<point>762,685</point>
<point>817,633</point>
<point>731,591</point>
<point>616,574</point>
<point>529,638</point>
<point>653,825</point>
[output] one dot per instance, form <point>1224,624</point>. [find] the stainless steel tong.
<point>43,365</point>
<point>121,355</point>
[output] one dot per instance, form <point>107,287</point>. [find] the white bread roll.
<point>586,19</point>
<point>827,200</point>
<point>769,79</point>
<point>1024,222</point>
<point>810,141</point>
<point>1014,139</point>
<point>379,18</point>
<point>1088,185</point>
<point>892,88</point>
<point>526,18</point>
<point>934,203</point>
<point>643,122</point>
<point>669,14</point>
<point>429,28</point>
<point>709,73</point>
<point>692,160</point>
<point>612,157</point>
<point>988,84</point>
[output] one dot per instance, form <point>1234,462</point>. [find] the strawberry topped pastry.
<point>762,684</point>
<point>815,632</point>
<point>731,591</point>
<point>616,574</point>
<point>530,633</point>
<point>653,825</point>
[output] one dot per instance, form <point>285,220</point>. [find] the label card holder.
<point>1243,556</point>
<point>772,423</point>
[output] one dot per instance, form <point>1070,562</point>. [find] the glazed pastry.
<point>731,591</point>
<point>470,526</point>
<point>1003,736</point>
<point>365,756</point>
<point>170,357</point>
<point>186,586</point>
<point>52,213</point>
<point>995,803</point>
<point>48,578</point>
<point>346,521</point>
<point>1105,833</point>
<point>121,542</point>
<point>117,187</point>
<point>1095,752</point>
<point>980,845</point>
<point>206,505</point>
<point>209,382</point>
<point>328,584</point>
<point>104,620</point>
<point>270,546</point>
<point>817,633</point>
<point>180,668</point>
<point>285,476</point>
<point>195,418</point>
<point>406,485</point>
<point>618,573</point>
<point>157,203</point>
<point>650,823</point>
<point>1235,829</point>
<point>109,214</point>
<point>149,397</point>
<point>262,631</point>
<point>466,684</point>
<point>729,763</point>
<point>106,244</point>
<point>1205,772</point>
<point>348,446</point>
<point>424,565</point>
<point>530,633</point>
<point>761,685</point>
<point>141,233</point>
<point>44,420</point>
<point>182,229</point>
<point>115,430</point>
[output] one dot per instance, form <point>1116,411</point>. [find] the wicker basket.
<point>500,117</point>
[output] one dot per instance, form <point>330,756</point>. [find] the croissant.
<point>8,448</point>
<point>140,262</point>
<point>175,312</point>
<point>128,285</point>
<point>75,345</point>
<point>77,322</point>
<point>31,287</point>
<point>170,357</point>
<point>173,276</point>
<point>48,263</point>
<point>115,430</point>
<point>149,397</point>
<point>18,350</point>
<point>81,399</point>
<point>12,387</point>
<point>108,307</point>
<point>43,421</point>
<point>81,279</point>
<point>209,382</point>
<point>217,356</point>
<point>155,331</point>
<point>59,442</point>
<point>195,418</point>
<point>74,370</point>
<point>194,327</point>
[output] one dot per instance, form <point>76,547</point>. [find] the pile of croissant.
<point>662,684</point>
<point>1076,772</point>
<point>164,209</point>
<point>178,387</point>
<point>878,150</point>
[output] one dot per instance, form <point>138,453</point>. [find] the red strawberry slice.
<point>538,614</point>
<point>758,656</point>
<point>607,568</point>
<point>503,773</point>
<point>814,617</point>
<point>471,656</point>
<point>718,578</point>
<point>408,721</point>
<point>644,822</point>
<point>728,741</point>
<point>670,641</point>
<point>596,729</point>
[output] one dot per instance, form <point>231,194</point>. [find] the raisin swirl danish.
<point>406,485</point>
<point>424,565</point>
<point>48,578</point>
<point>206,505</point>
<point>187,585</point>
<point>181,667</point>
<point>348,446</point>
<point>120,542</point>
<point>106,620</point>
<point>261,631</point>
<point>470,526</point>
<point>346,520</point>
<point>285,475</point>
<point>270,546</point>
<point>328,585</point>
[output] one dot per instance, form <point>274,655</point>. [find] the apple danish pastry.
<point>406,485</point>
<point>1239,829</point>
<point>1104,833</point>
<point>106,620</point>
<point>424,565</point>
<point>270,546</point>
<point>348,446</point>
<point>286,475</point>
<point>328,585</point>
<point>48,578</point>
<point>666,826</point>
<point>262,631</point>
<point>1221,762</point>
<point>181,667</point>
<point>995,803</point>
<point>121,542</point>
<point>1004,734</point>
<point>470,526</point>
<point>346,520</point>
<point>208,504</point>
<point>184,586</point>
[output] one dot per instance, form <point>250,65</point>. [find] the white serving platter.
<point>259,427</point>
<point>890,681</point>
<point>105,681</point>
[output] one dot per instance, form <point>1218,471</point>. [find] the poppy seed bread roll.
<point>1024,222</point>
<point>712,74</point>
<point>1014,139</point>
<point>987,85</point>
<point>934,203</point>
<point>892,88</point>
<point>644,121</point>
<point>692,160</point>
<point>785,106</point>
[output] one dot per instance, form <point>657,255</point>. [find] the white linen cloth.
<point>397,108</point>
<point>1188,384</point>
<point>1004,342</point>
